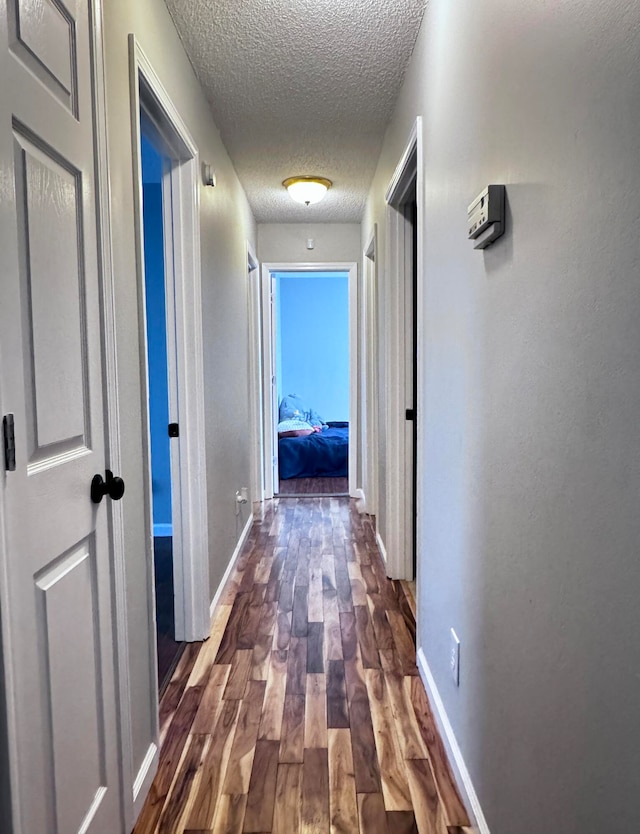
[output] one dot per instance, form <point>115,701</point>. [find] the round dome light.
<point>307,190</point>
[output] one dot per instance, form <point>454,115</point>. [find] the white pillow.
<point>294,428</point>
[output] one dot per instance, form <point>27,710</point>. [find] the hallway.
<point>304,710</point>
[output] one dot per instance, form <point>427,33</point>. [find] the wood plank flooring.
<point>303,712</point>
<point>314,486</point>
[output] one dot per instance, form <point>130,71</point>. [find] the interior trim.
<point>454,754</point>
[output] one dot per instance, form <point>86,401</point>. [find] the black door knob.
<point>116,486</point>
<point>111,485</point>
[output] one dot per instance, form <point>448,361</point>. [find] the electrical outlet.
<point>454,658</point>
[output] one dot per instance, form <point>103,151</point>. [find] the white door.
<point>55,589</point>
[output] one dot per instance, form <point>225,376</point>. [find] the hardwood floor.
<point>303,711</point>
<point>313,486</point>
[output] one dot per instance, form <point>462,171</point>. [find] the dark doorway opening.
<point>168,649</point>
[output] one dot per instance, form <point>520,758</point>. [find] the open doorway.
<point>309,379</point>
<point>403,420</point>
<point>312,382</point>
<point>161,376</point>
<point>167,178</point>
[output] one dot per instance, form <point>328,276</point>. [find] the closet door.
<point>55,589</point>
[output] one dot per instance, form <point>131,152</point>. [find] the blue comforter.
<point>323,454</point>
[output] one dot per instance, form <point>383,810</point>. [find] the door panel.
<point>56,597</point>
<point>67,599</point>
<point>42,36</point>
<point>49,208</point>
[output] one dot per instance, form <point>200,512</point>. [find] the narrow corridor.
<point>303,712</point>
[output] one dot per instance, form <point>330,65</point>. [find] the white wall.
<point>530,399</point>
<point>287,242</point>
<point>226,224</point>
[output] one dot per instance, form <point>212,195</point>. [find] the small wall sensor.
<point>208,174</point>
<point>454,658</point>
<point>485,216</point>
<point>310,243</point>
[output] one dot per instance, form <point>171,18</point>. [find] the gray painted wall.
<point>5,782</point>
<point>287,242</point>
<point>530,394</point>
<point>226,225</point>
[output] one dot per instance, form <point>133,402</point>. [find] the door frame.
<point>113,448</point>
<point>182,259</point>
<point>268,337</point>
<point>370,358</point>
<point>399,532</point>
<point>256,405</point>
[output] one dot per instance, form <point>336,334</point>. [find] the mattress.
<point>323,454</point>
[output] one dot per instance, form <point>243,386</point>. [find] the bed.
<point>323,454</point>
<point>307,446</point>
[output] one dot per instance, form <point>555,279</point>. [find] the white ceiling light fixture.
<point>307,190</point>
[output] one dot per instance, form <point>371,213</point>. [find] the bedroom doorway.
<point>310,407</point>
<point>161,380</point>
<point>171,367</point>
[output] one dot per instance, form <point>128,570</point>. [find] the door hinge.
<point>9,443</point>
<point>174,430</point>
<point>409,414</point>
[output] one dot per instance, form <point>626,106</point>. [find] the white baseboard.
<point>361,500</point>
<point>144,778</point>
<point>461,773</point>
<point>381,547</point>
<point>231,565</point>
<point>162,530</point>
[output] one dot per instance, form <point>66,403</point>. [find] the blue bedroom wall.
<point>156,338</point>
<point>313,340</point>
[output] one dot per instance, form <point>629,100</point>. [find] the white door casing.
<point>181,206</point>
<point>369,373</point>
<point>399,533</point>
<point>271,385</point>
<point>180,194</point>
<point>56,594</point>
<point>270,396</point>
<point>255,375</point>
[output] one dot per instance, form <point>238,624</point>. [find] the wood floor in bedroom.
<point>314,486</point>
<point>304,712</point>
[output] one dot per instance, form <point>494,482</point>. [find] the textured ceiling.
<point>301,87</point>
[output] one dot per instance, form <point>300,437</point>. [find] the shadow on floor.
<point>169,650</point>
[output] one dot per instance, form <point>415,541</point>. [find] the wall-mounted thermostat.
<point>485,216</point>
